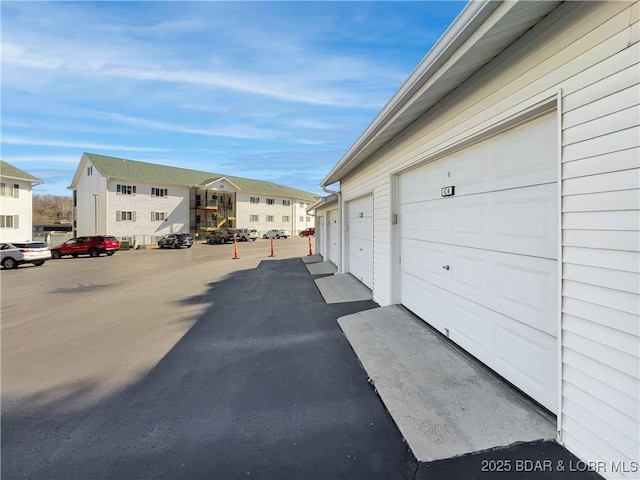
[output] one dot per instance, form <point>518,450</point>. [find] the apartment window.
<point>159,192</point>
<point>125,216</point>
<point>125,189</point>
<point>159,216</point>
<point>286,203</point>
<point>254,199</point>
<point>254,218</point>
<point>13,191</point>
<point>301,205</point>
<point>271,201</point>
<point>89,170</point>
<point>9,221</point>
<point>285,218</point>
<point>301,219</point>
<point>308,219</point>
<point>269,218</point>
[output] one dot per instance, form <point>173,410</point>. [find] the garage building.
<point>496,196</point>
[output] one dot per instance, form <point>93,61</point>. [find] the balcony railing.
<point>206,204</point>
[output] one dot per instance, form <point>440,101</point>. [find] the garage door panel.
<point>520,221</point>
<point>520,350</point>
<point>360,239</point>
<point>437,314</point>
<point>516,286</point>
<point>334,237</point>
<point>423,260</point>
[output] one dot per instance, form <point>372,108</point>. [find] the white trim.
<point>560,270</point>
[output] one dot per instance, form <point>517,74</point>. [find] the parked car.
<point>92,245</point>
<point>14,254</point>
<point>308,232</point>
<point>223,235</point>
<point>276,233</point>
<point>176,240</point>
<point>247,234</point>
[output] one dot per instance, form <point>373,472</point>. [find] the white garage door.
<point>333,228</point>
<point>360,239</point>
<point>481,265</point>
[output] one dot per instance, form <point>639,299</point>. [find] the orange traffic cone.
<point>310,251</point>
<point>235,250</point>
<point>272,252</point>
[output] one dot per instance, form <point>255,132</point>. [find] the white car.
<point>246,234</point>
<point>14,254</point>
<point>276,233</point>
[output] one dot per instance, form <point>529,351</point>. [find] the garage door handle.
<point>446,267</point>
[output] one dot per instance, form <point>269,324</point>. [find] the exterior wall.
<point>294,211</point>
<point>20,207</point>
<point>175,205</point>
<point>587,53</point>
<point>322,228</point>
<point>90,218</point>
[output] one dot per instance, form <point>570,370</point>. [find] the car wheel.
<point>188,246</point>
<point>160,245</point>
<point>110,253</point>
<point>222,241</point>
<point>264,236</point>
<point>93,252</point>
<point>9,263</point>
<point>277,236</point>
<point>37,264</point>
<point>55,254</point>
<point>175,245</point>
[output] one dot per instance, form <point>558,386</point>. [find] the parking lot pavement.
<point>263,385</point>
<point>260,383</point>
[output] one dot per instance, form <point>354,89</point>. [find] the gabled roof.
<point>9,171</point>
<point>134,170</point>
<point>482,31</point>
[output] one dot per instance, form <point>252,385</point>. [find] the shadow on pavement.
<point>264,385</point>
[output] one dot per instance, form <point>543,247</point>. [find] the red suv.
<point>309,232</point>
<point>92,246</point>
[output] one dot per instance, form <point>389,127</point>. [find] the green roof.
<point>150,172</point>
<point>9,171</point>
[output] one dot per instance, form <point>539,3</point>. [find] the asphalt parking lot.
<point>186,364</point>
<point>190,364</point>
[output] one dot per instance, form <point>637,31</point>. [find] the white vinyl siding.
<point>587,53</point>
<point>601,274</point>
<point>17,211</point>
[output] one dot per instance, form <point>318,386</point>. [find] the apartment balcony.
<point>206,204</point>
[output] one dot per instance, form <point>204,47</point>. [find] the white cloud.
<point>11,140</point>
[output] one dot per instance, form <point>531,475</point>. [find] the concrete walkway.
<point>444,404</point>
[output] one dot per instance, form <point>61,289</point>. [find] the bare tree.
<point>49,209</point>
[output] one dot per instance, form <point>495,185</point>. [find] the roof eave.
<point>470,28</point>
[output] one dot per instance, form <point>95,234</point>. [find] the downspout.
<point>339,194</point>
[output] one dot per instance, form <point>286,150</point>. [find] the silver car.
<point>14,254</point>
<point>277,233</point>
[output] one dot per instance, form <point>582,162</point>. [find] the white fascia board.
<point>221,179</point>
<point>323,201</point>
<point>461,30</point>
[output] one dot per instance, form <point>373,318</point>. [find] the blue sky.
<point>270,90</point>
